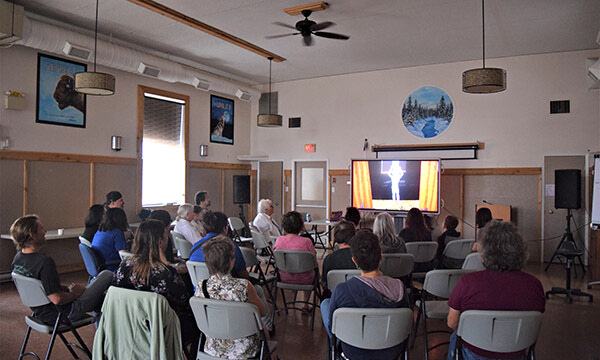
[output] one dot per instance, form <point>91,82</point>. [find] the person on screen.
<point>395,173</point>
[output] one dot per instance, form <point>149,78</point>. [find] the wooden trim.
<point>92,183</point>
<point>138,147</point>
<point>219,165</point>
<point>339,172</point>
<point>253,174</point>
<point>297,10</point>
<point>287,188</point>
<point>287,172</point>
<point>494,171</point>
<point>536,255</point>
<point>63,157</point>
<point>198,25</point>
<point>25,185</point>
<point>461,203</point>
<point>223,190</point>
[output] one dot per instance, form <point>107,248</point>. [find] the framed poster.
<point>57,101</point>
<point>221,120</point>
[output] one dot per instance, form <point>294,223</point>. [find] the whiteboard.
<point>596,195</point>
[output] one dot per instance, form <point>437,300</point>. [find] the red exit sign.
<point>309,148</point>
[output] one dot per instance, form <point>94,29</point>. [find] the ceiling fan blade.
<point>307,40</point>
<point>321,26</point>
<point>284,25</point>
<point>331,35</point>
<point>279,36</point>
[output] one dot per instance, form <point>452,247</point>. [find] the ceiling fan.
<point>307,28</point>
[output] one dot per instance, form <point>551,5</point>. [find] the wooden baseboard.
<point>63,269</point>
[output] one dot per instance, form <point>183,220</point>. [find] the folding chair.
<point>455,253</point>
<point>372,329</point>
<point>222,319</point>
<point>397,265</point>
<point>32,294</point>
<point>262,245</point>
<point>424,253</point>
<point>296,261</point>
<point>93,261</point>
<point>335,277</point>
<point>125,255</point>
<point>473,262</point>
<point>85,241</point>
<point>499,331</point>
<point>238,229</point>
<point>182,245</point>
<point>438,283</point>
<point>256,271</point>
<point>198,271</point>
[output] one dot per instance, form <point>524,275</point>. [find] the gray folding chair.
<point>85,241</point>
<point>473,262</point>
<point>256,271</point>
<point>124,255</point>
<point>335,277</point>
<point>222,319</point>
<point>295,261</point>
<point>438,283</point>
<point>197,270</point>
<point>182,245</point>
<point>32,294</point>
<point>499,331</point>
<point>455,253</point>
<point>262,245</point>
<point>397,265</point>
<point>371,329</point>
<point>238,228</point>
<point>424,253</point>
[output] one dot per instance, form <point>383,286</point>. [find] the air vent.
<point>201,84</point>
<point>148,70</point>
<point>76,51</point>
<point>11,22</point>
<point>243,95</point>
<point>560,107</point>
<point>263,103</point>
<point>294,122</point>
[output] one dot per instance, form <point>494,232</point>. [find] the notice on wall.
<point>550,189</point>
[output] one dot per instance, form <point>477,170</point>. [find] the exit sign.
<point>310,148</point>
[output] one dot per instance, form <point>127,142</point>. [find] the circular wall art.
<point>427,112</point>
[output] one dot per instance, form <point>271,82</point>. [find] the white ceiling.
<point>384,34</point>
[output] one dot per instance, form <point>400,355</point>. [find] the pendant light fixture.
<point>484,80</point>
<point>269,120</point>
<point>95,83</point>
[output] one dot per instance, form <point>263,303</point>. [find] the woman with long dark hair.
<point>415,228</point>
<point>110,238</point>
<point>92,221</point>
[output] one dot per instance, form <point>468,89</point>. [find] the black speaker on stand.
<point>567,196</point>
<point>241,195</point>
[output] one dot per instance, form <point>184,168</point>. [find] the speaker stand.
<point>567,236</point>
<point>241,216</point>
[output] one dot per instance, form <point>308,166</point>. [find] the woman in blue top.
<point>110,238</point>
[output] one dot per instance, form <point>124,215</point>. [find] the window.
<point>163,149</point>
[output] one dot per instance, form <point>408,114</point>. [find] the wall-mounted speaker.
<point>148,70</point>
<point>295,122</point>
<point>241,189</point>
<point>201,84</point>
<point>243,95</point>
<point>567,192</point>
<point>76,51</point>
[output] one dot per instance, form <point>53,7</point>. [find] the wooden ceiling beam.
<point>316,6</point>
<point>198,25</point>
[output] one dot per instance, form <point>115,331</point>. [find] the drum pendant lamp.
<point>269,120</point>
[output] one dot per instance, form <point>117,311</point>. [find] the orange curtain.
<point>361,185</point>
<point>428,191</point>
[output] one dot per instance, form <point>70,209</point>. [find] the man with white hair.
<point>264,222</point>
<point>183,225</point>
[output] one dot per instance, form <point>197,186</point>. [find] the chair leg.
<point>416,326</point>
<point>51,344</point>
<point>284,301</point>
<point>83,345</point>
<point>27,333</point>
<point>314,305</point>
<point>69,347</point>
<point>426,345</point>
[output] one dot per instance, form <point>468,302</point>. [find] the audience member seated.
<point>220,260</point>
<point>352,215</point>
<point>264,222</point>
<point>450,224</point>
<point>164,217</point>
<point>183,225</point>
<point>293,225</point>
<point>384,228</point>
<point>148,270</point>
<point>197,222</point>
<point>29,236</point>
<point>92,221</point>
<point>415,228</point>
<point>502,286</point>
<point>341,259</point>
<point>202,199</point>
<point>110,238</point>
<point>114,199</point>
<point>371,289</point>
<point>482,217</point>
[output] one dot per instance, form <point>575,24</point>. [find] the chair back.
<point>473,262</point>
<point>249,256</point>
<point>222,319</point>
<point>182,245</point>
<point>397,265</point>
<point>125,255</point>
<point>30,290</point>
<point>259,240</point>
<point>295,261</point>
<point>335,277</point>
<point>423,251</point>
<point>198,271</point>
<point>500,331</point>
<point>236,224</point>
<point>85,241</point>
<point>441,282</point>
<point>459,249</point>
<point>91,260</point>
<point>372,329</point>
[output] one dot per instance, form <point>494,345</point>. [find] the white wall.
<point>339,112</point>
<point>107,115</point>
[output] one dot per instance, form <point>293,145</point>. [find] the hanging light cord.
<point>483,26</point>
<point>270,63</point>
<point>96,36</point>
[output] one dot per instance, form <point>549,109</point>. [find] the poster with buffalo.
<point>221,120</point>
<point>57,101</point>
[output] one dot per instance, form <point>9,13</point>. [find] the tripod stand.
<point>567,236</point>
<point>241,215</point>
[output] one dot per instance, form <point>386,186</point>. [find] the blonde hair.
<point>383,227</point>
<point>183,210</point>
<point>263,205</point>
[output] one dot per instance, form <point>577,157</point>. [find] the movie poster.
<point>221,120</point>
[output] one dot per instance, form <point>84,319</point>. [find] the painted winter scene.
<point>427,112</point>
